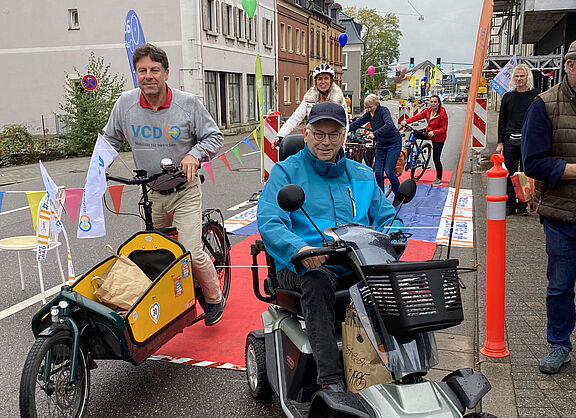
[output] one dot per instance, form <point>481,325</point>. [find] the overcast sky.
<point>449,28</point>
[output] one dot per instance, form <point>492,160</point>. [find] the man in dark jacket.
<point>512,111</point>
<point>549,156</point>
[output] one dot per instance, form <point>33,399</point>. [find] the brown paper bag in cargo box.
<point>362,366</point>
<point>122,283</point>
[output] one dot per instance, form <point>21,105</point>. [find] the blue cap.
<point>327,111</point>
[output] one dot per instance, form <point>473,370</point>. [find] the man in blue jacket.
<point>549,157</point>
<point>338,191</point>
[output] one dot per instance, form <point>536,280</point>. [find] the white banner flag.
<point>501,83</point>
<point>91,222</point>
<point>52,192</point>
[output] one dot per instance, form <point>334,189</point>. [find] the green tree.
<point>86,112</point>
<point>381,36</point>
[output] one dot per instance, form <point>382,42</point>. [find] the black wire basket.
<point>416,296</point>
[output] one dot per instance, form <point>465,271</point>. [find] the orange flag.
<point>479,55</point>
<point>225,161</point>
<point>115,191</point>
<point>34,199</point>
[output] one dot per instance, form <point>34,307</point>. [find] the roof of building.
<point>353,29</point>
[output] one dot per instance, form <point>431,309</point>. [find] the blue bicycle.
<point>419,151</point>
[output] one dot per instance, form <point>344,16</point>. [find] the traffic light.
<point>411,62</point>
<point>438,62</point>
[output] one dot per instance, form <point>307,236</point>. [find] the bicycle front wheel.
<point>215,244</point>
<point>45,390</point>
<point>421,162</point>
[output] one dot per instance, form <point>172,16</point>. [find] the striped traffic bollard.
<point>494,345</point>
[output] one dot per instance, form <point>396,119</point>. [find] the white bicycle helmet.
<point>323,68</point>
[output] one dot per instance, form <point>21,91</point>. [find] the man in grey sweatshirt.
<point>161,122</point>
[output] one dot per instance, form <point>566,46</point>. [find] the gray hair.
<point>529,77</point>
<point>371,100</point>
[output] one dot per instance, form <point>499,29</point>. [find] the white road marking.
<point>14,210</point>
<point>28,302</point>
<point>241,205</point>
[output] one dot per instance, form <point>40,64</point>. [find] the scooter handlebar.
<point>313,252</point>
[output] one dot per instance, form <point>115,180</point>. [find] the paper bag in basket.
<point>122,283</point>
<point>362,365</point>
<point>523,186</point>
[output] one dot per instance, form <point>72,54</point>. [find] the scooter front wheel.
<point>256,368</point>
<point>45,389</point>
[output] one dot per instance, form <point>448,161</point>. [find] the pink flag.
<point>115,191</point>
<point>208,167</point>
<point>72,203</point>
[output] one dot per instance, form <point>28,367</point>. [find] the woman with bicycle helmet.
<point>387,138</point>
<point>323,90</point>
<point>437,119</point>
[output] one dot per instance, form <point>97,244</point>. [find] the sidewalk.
<point>519,389</point>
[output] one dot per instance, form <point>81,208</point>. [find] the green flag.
<point>260,94</point>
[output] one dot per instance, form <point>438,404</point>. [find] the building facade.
<point>292,55</point>
<point>211,46</point>
<point>352,62</point>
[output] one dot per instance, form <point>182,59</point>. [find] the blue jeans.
<point>318,288</point>
<point>386,158</point>
<point>561,279</point>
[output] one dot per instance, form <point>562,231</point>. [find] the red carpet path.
<point>222,345</point>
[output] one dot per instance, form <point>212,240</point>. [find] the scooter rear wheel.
<point>44,387</point>
<point>256,368</point>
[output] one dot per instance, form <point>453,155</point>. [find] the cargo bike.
<point>74,329</point>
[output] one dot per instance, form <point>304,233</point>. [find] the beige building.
<point>211,45</point>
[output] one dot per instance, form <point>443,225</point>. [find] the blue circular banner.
<point>133,38</point>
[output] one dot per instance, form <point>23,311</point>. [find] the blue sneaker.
<point>556,358</point>
<point>213,313</point>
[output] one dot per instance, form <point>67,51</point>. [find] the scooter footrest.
<point>346,402</point>
<point>469,385</point>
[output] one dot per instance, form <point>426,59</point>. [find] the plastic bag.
<point>401,161</point>
<point>523,186</point>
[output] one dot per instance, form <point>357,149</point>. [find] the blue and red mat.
<point>222,345</point>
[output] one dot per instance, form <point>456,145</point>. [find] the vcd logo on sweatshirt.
<point>154,132</point>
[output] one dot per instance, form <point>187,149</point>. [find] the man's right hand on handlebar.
<point>314,261</point>
<point>189,166</point>
<point>276,141</point>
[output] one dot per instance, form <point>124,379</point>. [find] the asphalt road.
<point>153,388</point>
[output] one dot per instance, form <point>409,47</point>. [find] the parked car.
<point>461,97</point>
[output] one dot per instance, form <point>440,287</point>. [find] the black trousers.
<point>436,153</point>
<point>513,161</point>
<point>318,288</point>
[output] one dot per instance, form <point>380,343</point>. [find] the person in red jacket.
<point>437,119</point>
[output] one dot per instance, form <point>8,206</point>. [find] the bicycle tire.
<point>421,163</point>
<point>56,396</point>
<point>215,244</point>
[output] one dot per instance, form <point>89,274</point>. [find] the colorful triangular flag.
<point>72,203</point>
<point>208,167</point>
<point>34,199</point>
<point>237,154</point>
<point>247,141</point>
<point>115,191</point>
<point>1,197</point>
<point>225,161</point>
<point>255,138</point>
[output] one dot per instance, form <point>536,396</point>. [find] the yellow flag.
<point>34,199</point>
